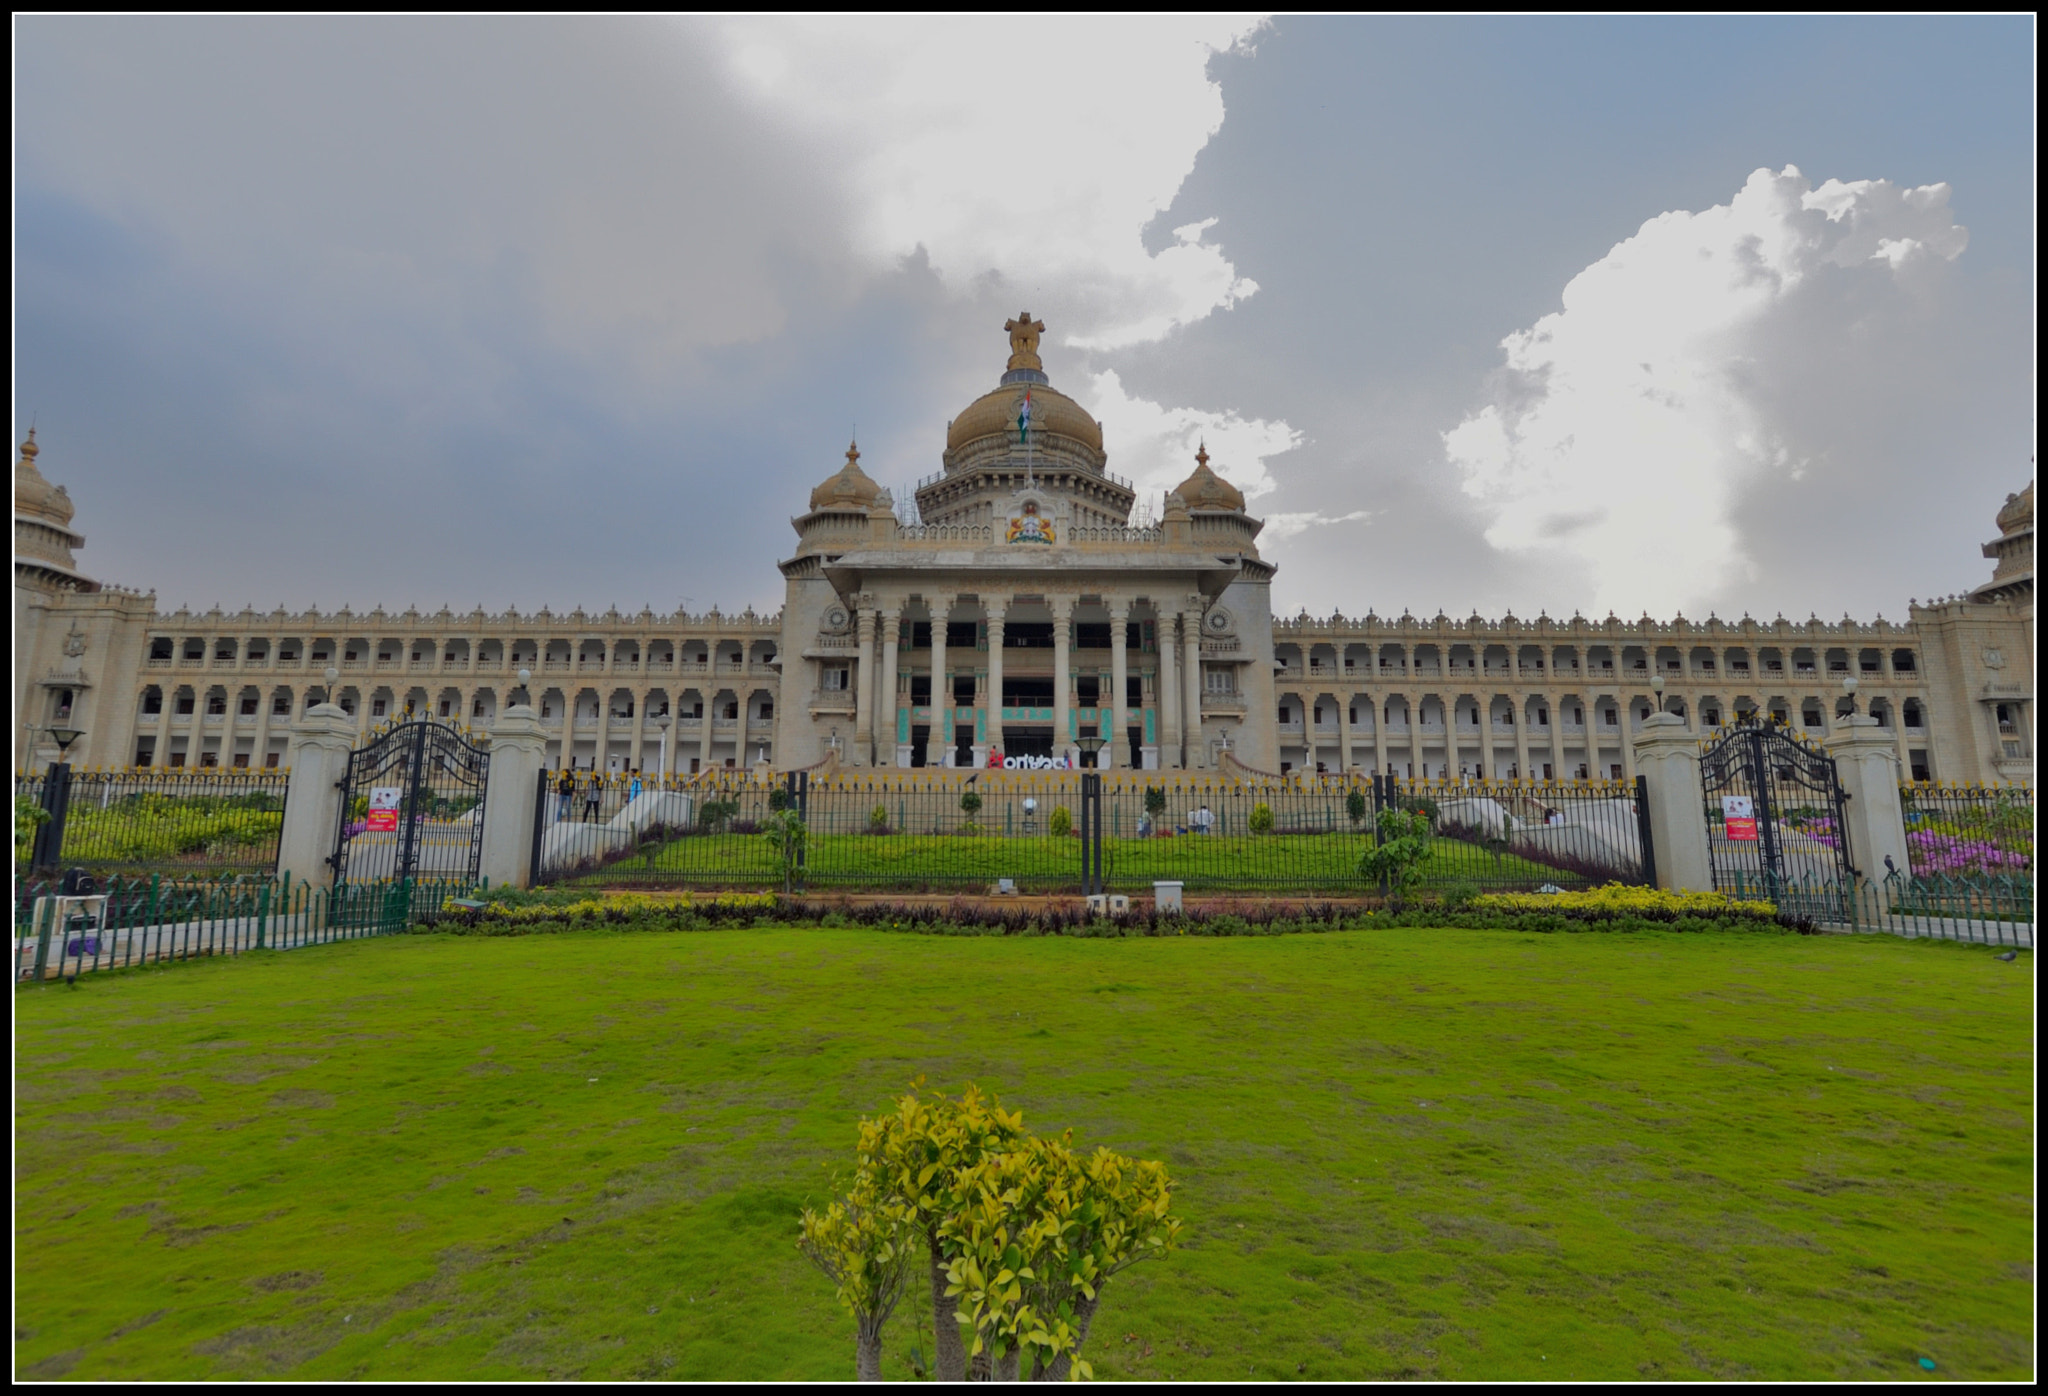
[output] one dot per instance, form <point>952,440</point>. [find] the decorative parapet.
<point>1408,626</point>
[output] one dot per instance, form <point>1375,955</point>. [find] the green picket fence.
<point>138,921</point>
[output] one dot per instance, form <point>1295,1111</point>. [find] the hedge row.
<point>966,918</point>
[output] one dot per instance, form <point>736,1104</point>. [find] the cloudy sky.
<point>1499,315</point>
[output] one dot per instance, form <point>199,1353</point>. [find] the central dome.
<point>1053,413</point>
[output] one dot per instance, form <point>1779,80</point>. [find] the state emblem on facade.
<point>1030,526</point>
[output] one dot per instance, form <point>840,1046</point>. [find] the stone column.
<point>1191,684</point>
<point>938,750</point>
<point>318,755</point>
<point>992,701</point>
<point>1062,674</point>
<point>1116,751</point>
<point>600,759</point>
<point>1168,695</point>
<point>1344,702</point>
<point>864,692</point>
<point>1867,761</point>
<point>1520,709</point>
<point>1669,758</point>
<point>889,707</point>
<point>1628,749</point>
<point>518,750</point>
<point>704,732</point>
<point>261,742</point>
<point>639,727</point>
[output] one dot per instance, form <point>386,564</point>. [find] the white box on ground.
<point>1166,896</point>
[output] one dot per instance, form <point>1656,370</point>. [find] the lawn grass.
<point>1295,862</point>
<point>1444,1154</point>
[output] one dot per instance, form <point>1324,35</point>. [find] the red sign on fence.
<point>384,802</point>
<point>1738,818</point>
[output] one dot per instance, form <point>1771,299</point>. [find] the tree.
<point>1395,859</point>
<point>1021,1233</point>
<point>1354,806</point>
<point>970,805</point>
<point>1155,802</point>
<point>924,1151</point>
<point>785,829</point>
<point>862,1244</point>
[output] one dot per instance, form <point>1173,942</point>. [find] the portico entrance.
<point>1027,741</point>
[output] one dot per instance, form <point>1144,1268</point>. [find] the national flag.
<point>1024,418</point>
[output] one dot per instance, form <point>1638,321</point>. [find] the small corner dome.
<point>35,496</point>
<point>847,488</point>
<point>2018,512</point>
<point>1207,491</point>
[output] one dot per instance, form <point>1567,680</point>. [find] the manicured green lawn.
<point>1400,1153</point>
<point>1293,862</point>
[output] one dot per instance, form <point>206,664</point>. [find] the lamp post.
<point>331,674</point>
<point>1657,687</point>
<point>1091,743</point>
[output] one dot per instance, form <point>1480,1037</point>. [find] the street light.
<point>1849,687</point>
<point>1657,686</point>
<point>1090,743</point>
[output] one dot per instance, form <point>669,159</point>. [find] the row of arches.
<point>1554,736</point>
<point>1688,662</point>
<point>460,653</point>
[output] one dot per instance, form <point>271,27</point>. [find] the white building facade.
<point>1021,612</point>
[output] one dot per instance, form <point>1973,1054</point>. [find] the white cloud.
<point>1033,152</point>
<point>1154,446</point>
<point>1624,429</point>
<point>1280,527</point>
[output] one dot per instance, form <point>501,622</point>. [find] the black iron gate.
<point>412,806</point>
<point>1775,826</point>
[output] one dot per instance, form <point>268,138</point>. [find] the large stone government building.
<point>1022,609</point>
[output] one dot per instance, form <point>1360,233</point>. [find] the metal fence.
<point>136,921</point>
<point>1983,910</point>
<point>136,822</point>
<point>908,833</point>
<point>1962,833</point>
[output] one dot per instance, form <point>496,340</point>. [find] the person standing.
<point>565,790</point>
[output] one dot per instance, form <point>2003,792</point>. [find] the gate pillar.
<point>518,749</point>
<point>1668,758</point>
<point>318,756</point>
<point>1867,763</point>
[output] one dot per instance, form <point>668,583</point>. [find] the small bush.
<point>970,804</point>
<point>1260,821</point>
<point>1061,823</point>
<point>878,820</point>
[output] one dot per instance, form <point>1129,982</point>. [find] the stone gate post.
<point>318,756</point>
<point>1668,758</point>
<point>1867,760</point>
<point>518,751</point>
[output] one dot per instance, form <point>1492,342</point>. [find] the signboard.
<point>384,803</point>
<point>1738,818</point>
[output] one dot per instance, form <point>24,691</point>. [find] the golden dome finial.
<point>28,447</point>
<point>853,453</point>
<point>1202,452</point>
<point>1024,333</point>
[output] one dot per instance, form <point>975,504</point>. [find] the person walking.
<point>565,790</point>
<point>593,796</point>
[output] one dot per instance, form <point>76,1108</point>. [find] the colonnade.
<point>1172,677</point>
<point>1546,725</point>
